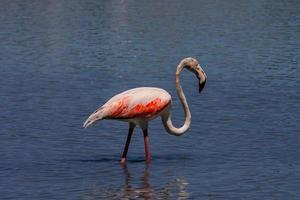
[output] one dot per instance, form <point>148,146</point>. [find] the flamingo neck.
<point>166,117</point>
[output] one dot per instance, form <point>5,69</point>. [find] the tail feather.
<point>95,116</point>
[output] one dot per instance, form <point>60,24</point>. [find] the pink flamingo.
<point>140,105</point>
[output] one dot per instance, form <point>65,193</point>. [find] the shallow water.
<point>60,60</point>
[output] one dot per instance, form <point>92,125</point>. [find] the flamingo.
<point>140,105</point>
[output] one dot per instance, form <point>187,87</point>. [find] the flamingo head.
<point>192,65</point>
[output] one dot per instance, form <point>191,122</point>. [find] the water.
<point>61,59</point>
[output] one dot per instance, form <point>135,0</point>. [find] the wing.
<point>142,102</point>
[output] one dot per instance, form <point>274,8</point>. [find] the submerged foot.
<point>148,160</point>
<point>123,160</point>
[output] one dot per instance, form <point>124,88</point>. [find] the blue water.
<point>60,60</point>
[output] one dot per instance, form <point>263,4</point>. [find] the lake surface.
<point>60,60</point>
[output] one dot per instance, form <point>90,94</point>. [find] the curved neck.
<point>166,118</point>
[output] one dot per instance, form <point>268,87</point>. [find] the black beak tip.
<point>201,86</point>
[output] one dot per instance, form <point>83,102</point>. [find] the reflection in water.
<point>142,188</point>
<point>145,190</point>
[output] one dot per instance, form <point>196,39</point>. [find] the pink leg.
<point>130,131</point>
<point>147,147</point>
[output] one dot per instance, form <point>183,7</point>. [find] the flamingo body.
<point>138,105</point>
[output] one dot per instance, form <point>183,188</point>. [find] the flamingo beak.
<point>202,78</point>
<point>201,86</point>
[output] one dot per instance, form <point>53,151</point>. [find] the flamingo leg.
<point>147,146</point>
<point>130,131</point>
